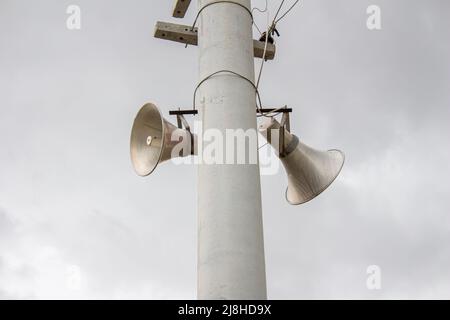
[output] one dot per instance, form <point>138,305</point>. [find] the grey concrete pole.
<point>230,230</point>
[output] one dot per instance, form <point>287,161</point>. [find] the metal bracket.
<point>284,124</point>
<point>188,35</point>
<point>265,110</point>
<point>182,122</point>
<point>181,112</point>
<point>286,121</point>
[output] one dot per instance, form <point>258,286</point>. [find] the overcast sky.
<point>76,222</point>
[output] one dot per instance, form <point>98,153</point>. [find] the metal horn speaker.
<point>152,140</point>
<point>309,171</point>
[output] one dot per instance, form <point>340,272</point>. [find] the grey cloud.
<point>5,223</point>
<point>69,99</point>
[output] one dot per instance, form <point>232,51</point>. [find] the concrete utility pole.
<point>231,261</point>
<point>230,229</point>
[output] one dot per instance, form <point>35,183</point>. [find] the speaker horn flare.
<point>309,171</point>
<point>152,140</point>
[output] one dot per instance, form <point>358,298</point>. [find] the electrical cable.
<point>258,9</point>
<point>287,11</point>
<point>265,144</point>
<point>278,11</point>
<point>263,60</point>
<point>258,106</point>
<point>261,11</point>
<point>216,2</point>
<point>264,54</point>
<point>228,1</point>
<point>271,29</point>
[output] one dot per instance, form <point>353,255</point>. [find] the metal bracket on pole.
<point>182,122</point>
<point>180,8</point>
<point>182,112</point>
<point>271,110</point>
<point>285,124</point>
<point>261,111</point>
<point>286,121</point>
<point>188,35</point>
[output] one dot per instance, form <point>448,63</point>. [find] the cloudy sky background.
<point>76,222</point>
